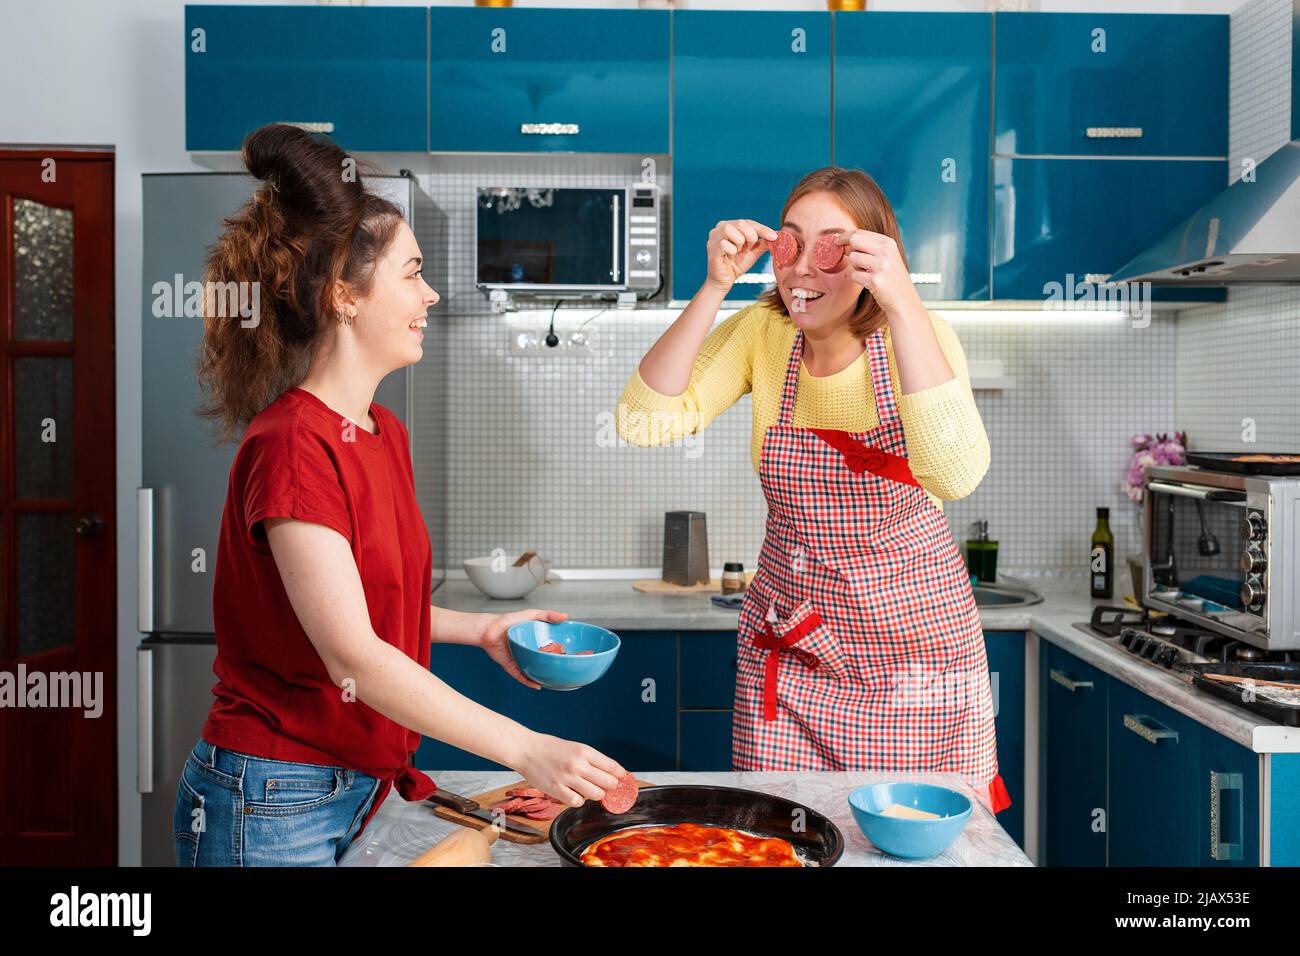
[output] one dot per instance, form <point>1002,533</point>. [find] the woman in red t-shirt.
<point>322,584</point>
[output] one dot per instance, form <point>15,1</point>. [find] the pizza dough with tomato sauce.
<point>689,844</point>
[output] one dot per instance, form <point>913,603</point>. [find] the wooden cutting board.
<point>658,586</point>
<point>485,801</point>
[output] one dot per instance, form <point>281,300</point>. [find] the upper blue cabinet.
<point>912,110</point>
<point>540,80</point>
<point>1115,84</point>
<point>356,73</point>
<point>1060,223</point>
<point>751,116</point>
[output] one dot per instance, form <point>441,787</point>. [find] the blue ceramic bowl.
<point>901,837</point>
<point>567,671</point>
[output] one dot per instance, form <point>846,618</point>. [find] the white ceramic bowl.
<point>510,583</point>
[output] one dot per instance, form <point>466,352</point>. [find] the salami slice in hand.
<point>784,248</point>
<point>827,253</point>
<point>622,797</point>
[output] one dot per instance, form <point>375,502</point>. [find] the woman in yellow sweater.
<point>860,644</point>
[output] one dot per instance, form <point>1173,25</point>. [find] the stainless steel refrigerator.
<point>185,474</point>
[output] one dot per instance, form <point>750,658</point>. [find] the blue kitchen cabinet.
<point>751,116</point>
<point>358,74</point>
<point>912,110</point>
<point>1073,701</point>
<point>1006,656</point>
<point>1114,84</point>
<point>612,714</point>
<point>1155,783</point>
<point>539,80</point>
<point>1229,802</point>
<point>707,692</point>
<point>708,675</point>
<point>1071,221</point>
<point>705,740</point>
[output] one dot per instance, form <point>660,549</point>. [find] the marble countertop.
<point>615,605</point>
<point>401,831</point>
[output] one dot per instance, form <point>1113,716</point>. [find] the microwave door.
<point>556,239</point>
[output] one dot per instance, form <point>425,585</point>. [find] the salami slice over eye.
<point>622,797</point>
<point>827,253</point>
<point>784,248</point>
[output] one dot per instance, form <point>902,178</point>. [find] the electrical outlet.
<point>531,345</point>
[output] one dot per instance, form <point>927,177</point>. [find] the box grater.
<point>686,548</point>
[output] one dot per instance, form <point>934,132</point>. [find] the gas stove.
<point>1167,641</point>
<point>1198,656</point>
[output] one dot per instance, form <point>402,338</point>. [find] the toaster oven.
<point>1221,550</point>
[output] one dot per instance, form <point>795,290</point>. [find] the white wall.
<point>86,73</point>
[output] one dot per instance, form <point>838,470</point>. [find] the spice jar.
<point>733,577</point>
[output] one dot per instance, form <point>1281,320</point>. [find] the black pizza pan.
<point>1234,693</point>
<point>1228,461</point>
<point>814,836</point>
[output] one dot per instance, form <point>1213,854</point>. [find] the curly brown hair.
<point>869,209</point>
<point>311,224</point>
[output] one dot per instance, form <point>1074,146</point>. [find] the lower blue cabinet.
<point>705,740</point>
<point>1128,781</point>
<point>1155,784</point>
<point>1229,803</point>
<point>708,670</point>
<point>1073,767</point>
<point>613,714</point>
<point>1006,654</point>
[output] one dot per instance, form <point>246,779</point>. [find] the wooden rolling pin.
<point>465,847</point>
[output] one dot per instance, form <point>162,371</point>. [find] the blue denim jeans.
<point>233,809</point>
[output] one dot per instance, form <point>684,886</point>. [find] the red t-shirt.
<point>274,698</point>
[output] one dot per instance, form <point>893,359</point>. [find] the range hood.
<point>1249,234</point>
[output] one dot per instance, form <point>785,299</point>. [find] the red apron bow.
<point>774,645</point>
<point>859,457</point>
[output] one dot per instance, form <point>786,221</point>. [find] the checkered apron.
<point>860,644</point>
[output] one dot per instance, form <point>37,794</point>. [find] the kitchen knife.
<point>470,808</point>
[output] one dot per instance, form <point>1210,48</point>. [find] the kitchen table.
<point>401,831</point>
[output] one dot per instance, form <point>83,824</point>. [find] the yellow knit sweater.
<point>946,445</point>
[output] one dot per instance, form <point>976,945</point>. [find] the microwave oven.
<point>1221,550</point>
<point>568,240</point>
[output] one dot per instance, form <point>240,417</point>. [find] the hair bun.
<point>306,173</point>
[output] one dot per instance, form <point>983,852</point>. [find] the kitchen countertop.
<point>401,831</point>
<point>615,605</point>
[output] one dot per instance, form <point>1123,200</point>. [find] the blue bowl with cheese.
<point>910,820</point>
<point>571,669</point>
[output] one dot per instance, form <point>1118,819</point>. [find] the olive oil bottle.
<point>1101,566</point>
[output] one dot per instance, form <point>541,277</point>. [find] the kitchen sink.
<point>1004,595</point>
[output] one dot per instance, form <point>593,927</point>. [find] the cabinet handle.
<point>549,129</point>
<point>1068,682</point>
<point>1220,782</point>
<point>1141,725</point>
<point>311,126</point>
<point>1113,132</point>
<point>616,215</point>
<point>144,724</point>
<point>144,569</point>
